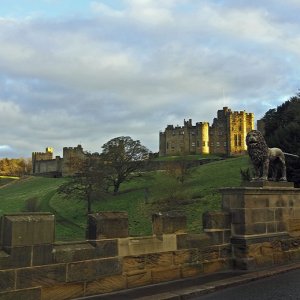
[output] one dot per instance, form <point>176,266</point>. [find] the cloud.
<point>131,67</point>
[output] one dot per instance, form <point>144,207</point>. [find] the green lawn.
<point>154,191</point>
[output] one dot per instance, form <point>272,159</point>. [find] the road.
<point>284,286</point>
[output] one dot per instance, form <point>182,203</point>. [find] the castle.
<point>226,135</point>
<point>44,164</point>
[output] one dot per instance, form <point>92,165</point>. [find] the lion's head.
<point>257,146</point>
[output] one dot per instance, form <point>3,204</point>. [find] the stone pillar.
<point>168,223</point>
<point>260,217</point>
<point>107,225</point>
<point>27,238</point>
<point>217,225</point>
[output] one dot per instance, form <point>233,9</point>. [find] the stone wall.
<point>33,266</point>
<point>259,226</point>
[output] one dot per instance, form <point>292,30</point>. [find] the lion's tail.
<point>293,155</point>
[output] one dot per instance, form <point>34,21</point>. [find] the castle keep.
<point>226,135</point>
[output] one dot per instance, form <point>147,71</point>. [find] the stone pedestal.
<point>261,214</point>
<point>168,222</point>
<point>107,225</point>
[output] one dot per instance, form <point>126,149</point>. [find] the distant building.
<point>44,164</point>
<point>226,135</point>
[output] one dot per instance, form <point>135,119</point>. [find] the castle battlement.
<point>226,135</point>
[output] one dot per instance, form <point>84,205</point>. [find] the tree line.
<point>282,130</point>
<point>15,167</point>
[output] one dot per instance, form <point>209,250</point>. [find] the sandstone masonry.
<point>226,135</point>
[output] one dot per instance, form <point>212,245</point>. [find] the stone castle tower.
<point>226,135</point>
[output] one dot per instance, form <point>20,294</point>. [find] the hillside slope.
<point>154,191</point>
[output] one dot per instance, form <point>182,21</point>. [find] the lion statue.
<point>265,159</point>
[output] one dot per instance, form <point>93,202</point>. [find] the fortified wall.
<point>259,226</point>
<point>44,164</point>
<point>226,135</point>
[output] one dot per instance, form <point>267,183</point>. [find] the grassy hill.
<point>154,191</point>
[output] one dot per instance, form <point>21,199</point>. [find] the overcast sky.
<point>83,72</point>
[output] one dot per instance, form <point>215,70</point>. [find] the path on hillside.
<point>45,205</point>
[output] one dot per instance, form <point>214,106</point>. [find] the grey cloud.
<point>135,69</point>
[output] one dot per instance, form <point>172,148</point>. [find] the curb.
<point>195,291</point>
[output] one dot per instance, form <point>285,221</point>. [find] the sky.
<point>84,72</point>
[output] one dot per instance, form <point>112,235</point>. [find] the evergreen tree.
<point>282,130</point>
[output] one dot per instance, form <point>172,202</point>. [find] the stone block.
<point>169,222</point>
<point>28,294</point>
<point>134,263</point>
<point>244,263</point>
<point>210,253</point>
<point>217,236</point>
<point>264,260</point>
<point>192,270</point>
<point>105,248</point>
<point>158,260</point>
<point>7,280</point>
<point>187,241</point>
<point>28,229</point>
<point>216,220</point>
<point>138,278</point>
<point>216,265</point>
<point>71,252</point>
<point>294,255</point>
<point>63,291</point>
<point>182,257</point>
<point>41,276</point>
<point>280,258</point>
<point>165,274</point>
<point>16,257</point>
<point>106,285</point>
<point>250,229</point>
<point>107,225</point>
<point>294,227</point>
<point>226,251</point>
<point>42,255</point>
<point>90,270</point>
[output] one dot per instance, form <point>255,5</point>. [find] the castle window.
<point>167,145</point>
<point>174,132</point>
<point>203,144</point>
<point>240,140</point>
<point>212,144</point>
<point>225,144</point>
<point>218,144</point>
<point>193,144</point>
<point>198,143</point>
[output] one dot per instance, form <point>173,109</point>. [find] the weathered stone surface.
<point>62,292</point>
<point>190,256</point>
<point>165,274</point>
<point>216,220</point>
<point>188,241</point>
<point>218,237</point>
<point>105,248</point>
<point>158,260</point>
<point>264,260</point>
<point>138,278</point>
<point>294,226</point>
<point>211,253</point>
<point>28,294</point>
<point>41,276</point>
<point>133,263</point>
<point>7,280</point>
<point>71,252</point>
<point>90,270</point>
<point>191,270</point>
<point>169,222</point>
<point>28,229</point>
<point>216,265</point>
<point>106,285</point>
<point>42,255</point>
<point>107,225</point>
<point>16,257</point>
